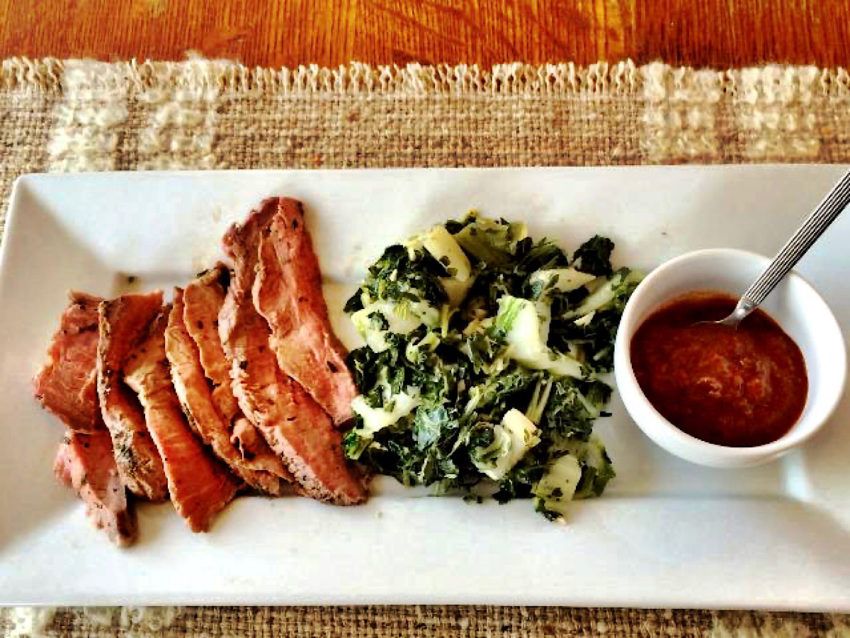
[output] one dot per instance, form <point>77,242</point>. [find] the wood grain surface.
<point>331,32</point>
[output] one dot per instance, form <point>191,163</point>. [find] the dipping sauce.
<point>738,387</point>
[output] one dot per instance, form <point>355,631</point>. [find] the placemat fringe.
<point>562,79</point>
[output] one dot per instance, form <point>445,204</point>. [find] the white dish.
<point>666,533</point>
<point>795,305</point>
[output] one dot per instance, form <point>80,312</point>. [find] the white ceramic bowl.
<point>794,304</point>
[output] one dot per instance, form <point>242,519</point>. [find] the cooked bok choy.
<point>483,360</point>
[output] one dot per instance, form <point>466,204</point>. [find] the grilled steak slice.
<point>122,324</point>
<point>195,397</point>
<point>291,422</point>
<point>67,384</point>
<point>202,300</point>
<point>288,294</point>
<point>199,485</point>
<point>254,449</point>
<point>85,463</point>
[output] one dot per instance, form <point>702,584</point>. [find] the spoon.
<point>797,246</point>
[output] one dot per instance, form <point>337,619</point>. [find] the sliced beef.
<point>199,485</point>
<point>67,384</point>
<point>86,464</point>
<point>203,299</point>
<point>122,323</point>
<point>291,422</point>
<point>288,294</point>
<point>254,449</point>
<point>204,418</point>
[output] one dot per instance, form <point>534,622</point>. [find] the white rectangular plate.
<point>666,533</point>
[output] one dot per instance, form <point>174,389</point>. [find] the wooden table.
<point>330,32</point>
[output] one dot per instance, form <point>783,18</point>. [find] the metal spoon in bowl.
<point>800,242</point>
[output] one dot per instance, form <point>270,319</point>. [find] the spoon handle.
<point>799,243</point>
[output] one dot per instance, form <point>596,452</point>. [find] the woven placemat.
<point>81,115</point>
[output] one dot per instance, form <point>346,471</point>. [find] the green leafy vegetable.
<point>483,350</point>
<point>594,256</point>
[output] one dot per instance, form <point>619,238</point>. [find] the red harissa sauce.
<point>738,387</point>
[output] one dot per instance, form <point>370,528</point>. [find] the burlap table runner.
<point>81,115</point>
